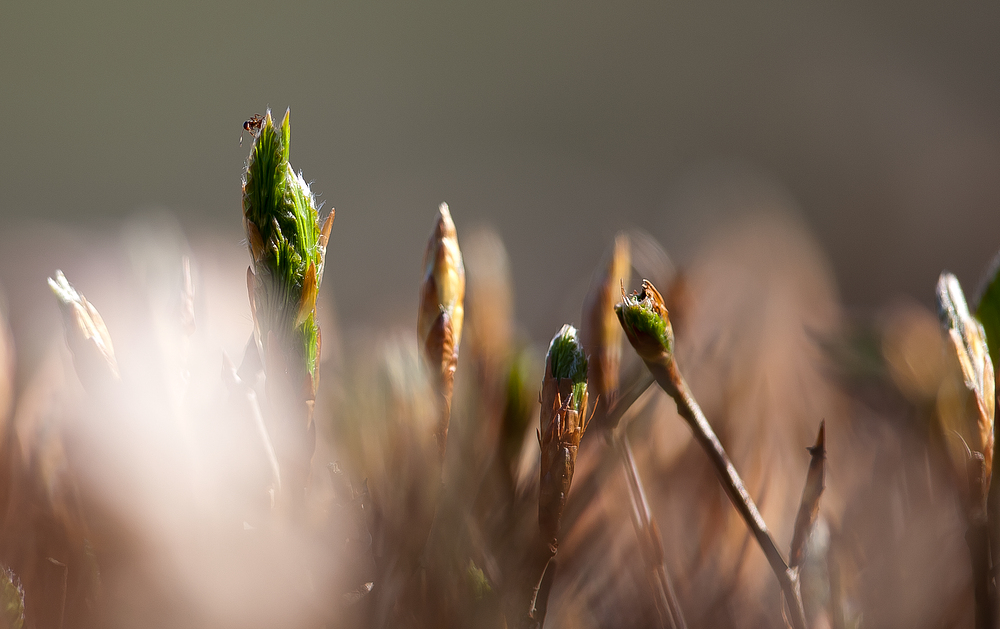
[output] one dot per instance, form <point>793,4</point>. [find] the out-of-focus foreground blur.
<point>792,178</point>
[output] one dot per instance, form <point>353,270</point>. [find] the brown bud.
<point>441,311</point>
<point>562,422</point>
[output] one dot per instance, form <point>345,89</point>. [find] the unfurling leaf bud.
<point>602,334</point>
<point>643,316</point>
<point>287,246</point>
<point>442,311</point>
<point>562,422</point>
<point>968,341</point>
<point>86,334</point>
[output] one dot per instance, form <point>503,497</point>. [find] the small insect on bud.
<point>442,311</point>
<point>562,422</point>
<point>645,320</point>
<point>968,340</point>
<point>86,334</point>
<point>287,244</point>
<point>602,334</point>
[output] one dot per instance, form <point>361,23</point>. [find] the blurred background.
<point>556,123</point>
<point>798,163</point>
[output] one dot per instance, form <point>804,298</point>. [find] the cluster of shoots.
<point>432,506</point>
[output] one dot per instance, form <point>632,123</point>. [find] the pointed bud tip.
<point>819,448</point>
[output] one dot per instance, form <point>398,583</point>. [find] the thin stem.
<point>669,377</point>
<point>627,399</point>
<point>65,587</point>
<point>649,539</point>
<point>540,593</point>
<point>585,491</point>
<point>237,385</point>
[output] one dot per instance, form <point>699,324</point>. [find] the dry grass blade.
<point>249,396</point>
<point>648,533</point>
<point>87,336</point>
<point>811,493</point>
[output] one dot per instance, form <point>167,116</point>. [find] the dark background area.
<point>558,123</point>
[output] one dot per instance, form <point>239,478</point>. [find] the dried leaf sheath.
<point>811,493</point>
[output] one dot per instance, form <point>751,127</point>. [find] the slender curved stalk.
<point>644,318</point>
<point>237,386</point>
<point>669,377</point>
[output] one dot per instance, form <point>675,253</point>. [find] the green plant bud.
<point>287,246</point>
<point>562,422</point>
<point>567,360</point>
<point>644,317</point>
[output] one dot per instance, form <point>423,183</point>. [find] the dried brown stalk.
<point>809,505</point>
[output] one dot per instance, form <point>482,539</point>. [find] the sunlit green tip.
<point>566,356</point>
<point>644,318</point>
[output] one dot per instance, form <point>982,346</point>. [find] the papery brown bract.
<point>441,312</point>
